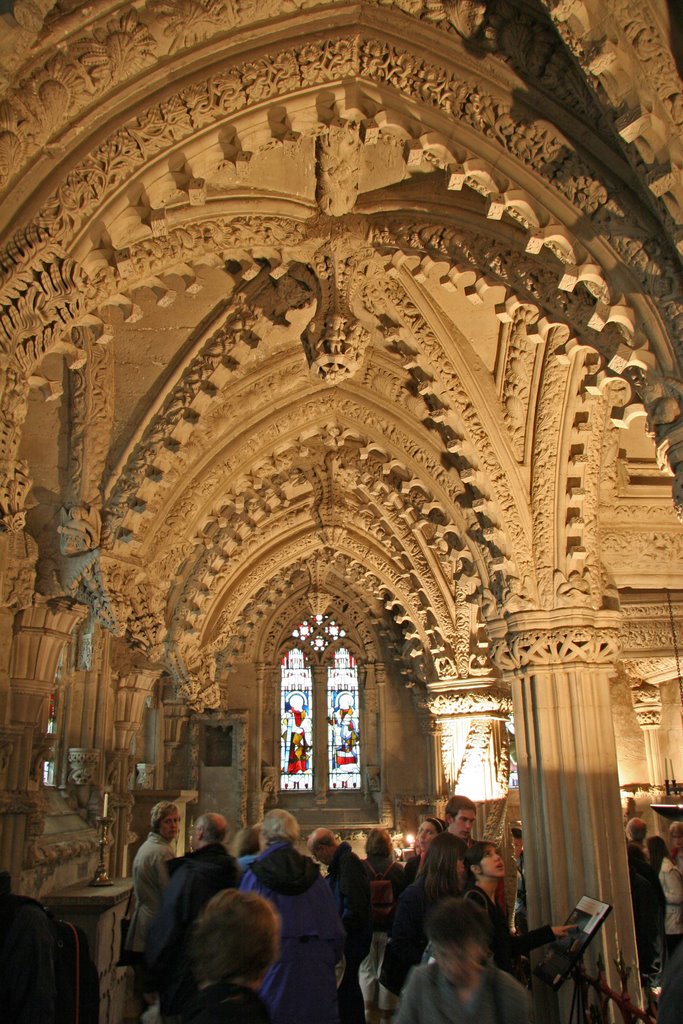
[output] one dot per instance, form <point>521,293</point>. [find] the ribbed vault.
<point>349,304</point>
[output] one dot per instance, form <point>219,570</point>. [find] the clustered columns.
<point>40,635</point>
<point>559,664</point>
<point>647,705</point>
<point>130,693</point>
<point>473,755</point>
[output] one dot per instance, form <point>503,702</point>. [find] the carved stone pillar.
<point>474,751</point>
<point>377,786</point>
<point>40,633</point>
<point>18,554</point>
<point>370,738</point>
<point>256,792</point>
<point>131,690</point>
<point>176,720</point>
<point>560,663</point>
<point>647,704</point>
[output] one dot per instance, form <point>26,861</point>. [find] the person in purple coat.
<point>301,985</point>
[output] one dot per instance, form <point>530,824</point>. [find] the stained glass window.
<point>296,697</point>
<point>343,730</point>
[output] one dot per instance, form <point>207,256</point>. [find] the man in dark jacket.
<point>351,890</point>
<point>195,878</point>
<point>27,977</point>
<point>301,984</point>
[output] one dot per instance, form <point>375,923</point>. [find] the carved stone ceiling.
<point>338,296</point>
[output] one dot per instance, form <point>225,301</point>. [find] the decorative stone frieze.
<point>556,640</point>
<point>471,701</point>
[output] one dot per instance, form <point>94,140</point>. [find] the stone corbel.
<point>81,579</point>
<point>269,786</point>
<point>145,775</point>
<point>84,765</point>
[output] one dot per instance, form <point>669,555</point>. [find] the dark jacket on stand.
<point>195,878</point>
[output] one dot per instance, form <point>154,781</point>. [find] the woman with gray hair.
<point>301,985</point>
<point>150,872</point>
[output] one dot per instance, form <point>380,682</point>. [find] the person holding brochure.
<point>485,869</point>
<point>460,985</point>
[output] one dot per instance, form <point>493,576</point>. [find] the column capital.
<point>468,700</point>
<point>561,637</point>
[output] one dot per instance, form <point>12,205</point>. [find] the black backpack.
<point>77,998</point>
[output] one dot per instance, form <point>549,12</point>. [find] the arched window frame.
<point>327,772</point>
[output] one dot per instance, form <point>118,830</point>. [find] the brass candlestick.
<point>101,877</point>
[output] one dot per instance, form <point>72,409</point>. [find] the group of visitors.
<point>656,896</point>
<point>272,939</point>
<point>268,938</point>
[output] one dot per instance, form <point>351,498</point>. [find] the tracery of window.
<point>296,704</point>
<point>318,632</point>
<point>343,731</point>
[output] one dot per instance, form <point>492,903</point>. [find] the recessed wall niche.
<point>221,745</point>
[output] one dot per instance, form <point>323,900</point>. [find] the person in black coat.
<point>350,887</point>
<point>195,878</point>
<point>27,978</point>
<point>439,879</point>
<point>485,868</point>
<point>235,940</point>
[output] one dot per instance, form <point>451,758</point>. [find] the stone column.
<point>130,693</point>
<point>176,718</point>
<point>647,704</point>
<point>560,663</point>
<point>379,787</point>
<point>40,633</point>
<point>254,773</point>
<point>266,786</point>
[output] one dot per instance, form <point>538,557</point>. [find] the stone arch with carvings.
<point>344,270</point>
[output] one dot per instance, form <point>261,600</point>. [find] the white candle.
<point>106,805</point>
